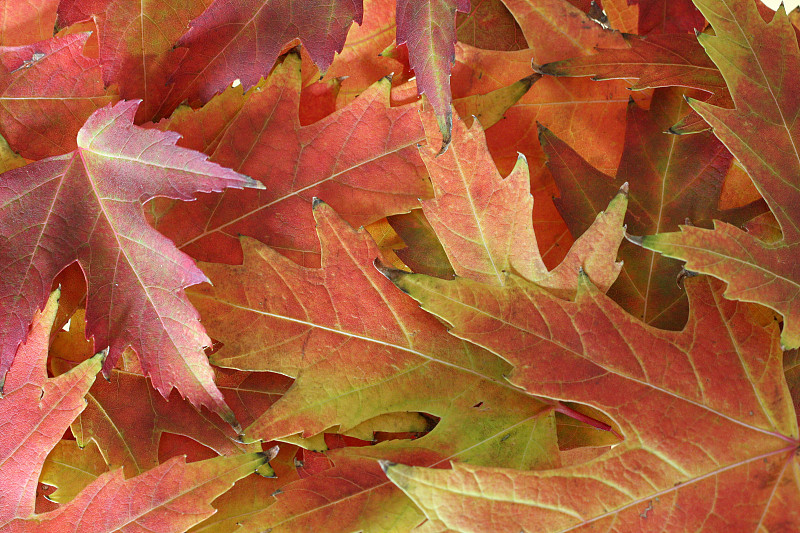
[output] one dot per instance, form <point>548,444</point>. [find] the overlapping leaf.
<point>241,39</point>
<point>428,29</point>
<point>707,418</point>
<point>484,221</point>
<point>173,497</point>
<point>126,417</point>
<point>315,324</point>
<point>361,61</point>
<point>761,65</point>
<point>362,158</point>
<point>136,44</point>
<point>570,107</point>
<point>47,91</point>
<point>86,206</point>
<point>672,179</point>
<point>35,412</point>
<point>318,324</point>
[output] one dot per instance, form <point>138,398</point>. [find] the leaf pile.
<point>386,266</point>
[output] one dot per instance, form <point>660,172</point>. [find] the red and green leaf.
<point>761,65</point>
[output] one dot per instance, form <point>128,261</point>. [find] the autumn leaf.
<point>35,411</point>
<point>484,221</point>
<point>428,29</point>
<point>402,349</point>
<point>362,158</point>
<point>672,179</point>
<point>763,133</point>
<point>86,206</point>
<point>241,39</point>
<point>47,91</point>
<point>705,412</point>
<point>136,45</point>
<point>304,311</point>
<point>324,320</point>
<point>173,496</point>
<point>127,417</point>
<point>570,107</point>
<point>313,322</point>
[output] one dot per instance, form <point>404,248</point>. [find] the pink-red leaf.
<point>428,28</point>
<point>136,44</point>
<point>86,206</point>
<point>35,411</point>
<point>241,39</point>
<point>47,91</point>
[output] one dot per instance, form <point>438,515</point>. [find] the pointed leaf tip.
<point>392,274</point>
<point>271,453</point>
<point>446,128</point>
<point>635,239</point>
<point>251,183</point>
<point>624,189</point>
<point>316,202</point>
<point>386,465</point>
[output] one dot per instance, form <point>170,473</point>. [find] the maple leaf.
<point>47,91</point>
<point>484,221</point>
<point>241,39</point>
<point>321,316</point>
<point>313,324</point>
<point>763,132</point>
<point>86,207</point>
<point>428,29</point>
<point>310,325</point>
<point>707,418</point>
<point>173,496</point>
<point>35,411</point>
<point>127,418</point>
<point>136,44</point>
<point>362,158</point>
<point>672,179</point>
